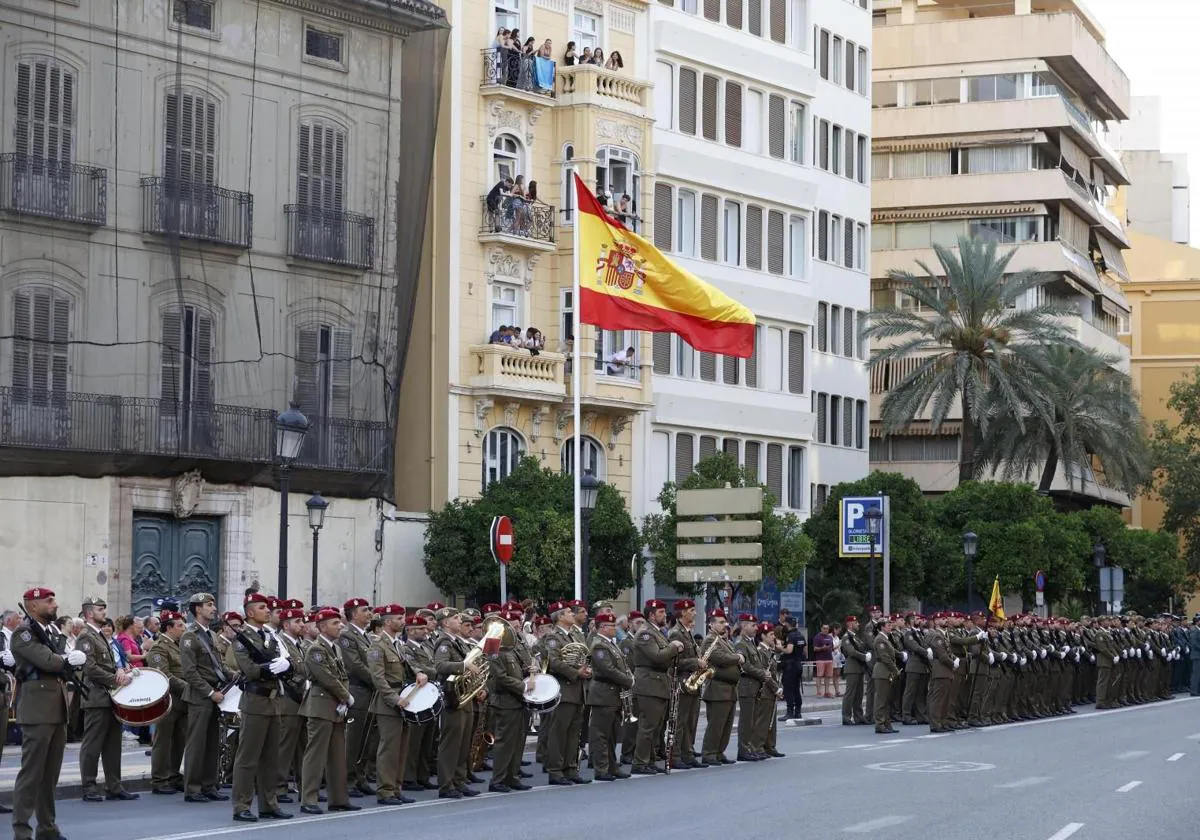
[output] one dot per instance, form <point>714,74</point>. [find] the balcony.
<point>200,212</point>
<point>507,371</point>
<point>49,189</point>
<point>333,237</point>
<point>1091,336</point>
<point>508,73</point>
<point>587,84</point>
<point>1048,257</point>
<point>514,221</point>
<point>996,188</point>
<point>628,390</point>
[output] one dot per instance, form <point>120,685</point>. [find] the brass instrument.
<point>627,713</point>
<point>481,741</point>
<point>467,686</point>
<point>576,655</point>
<point>12,693</point>
<point>696,681</point>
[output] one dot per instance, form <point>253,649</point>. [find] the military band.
<point>335,700</point>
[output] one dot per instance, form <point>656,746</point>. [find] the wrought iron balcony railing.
<point>518,217</point>
<point>509,68</point>
<point>202,212</point>
<point>68,192</point>
<point>330,236</point>
<point>115,425</point>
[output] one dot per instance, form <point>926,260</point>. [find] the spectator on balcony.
<point>499,335</point>
<point>614,61</point>
<point>528,49</point>
<point>495,198</point>
<point>570,55</point>
<point>623,209</point>
<point>546,50</point>
<point>535,342</point>
<point>621,363</point>
<point>586,58</point>
<point>598,57</point>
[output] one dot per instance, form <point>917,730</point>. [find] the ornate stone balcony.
<point>587,84</point>
<point>512,372</point>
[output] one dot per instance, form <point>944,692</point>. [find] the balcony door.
<point>321,191</point>
<point>41,329</point>
<point>323,359</point>
<point>186,420</point>
<point>188,201</point>
<point>44,134</point>
<point>173,558</point>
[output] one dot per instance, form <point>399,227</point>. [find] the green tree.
<point>1155,572</point>
<point>1177,455</point>
<point>1082,406</point>
<point>785,548</point>
<point>973,343</point>
<point>539,501</point>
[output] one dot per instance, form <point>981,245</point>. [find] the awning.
<point>974,211</point>
<point>1115,298</point>
<point>927,144</point>
<point>918,430</point>
<point>1075,156</point>
<point>1114,260</point>
<point>1110,308</point>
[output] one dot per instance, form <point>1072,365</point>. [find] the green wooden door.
<point>174,558</point>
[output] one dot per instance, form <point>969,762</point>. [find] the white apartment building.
<point>762,187</point>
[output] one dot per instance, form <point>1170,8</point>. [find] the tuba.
<point>468,686</point>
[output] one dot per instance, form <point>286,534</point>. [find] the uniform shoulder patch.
<point>26,636</point>
<point>239,646</point>
<point>442,648</point>
<point>552,643</point>
<point>187,643</point>
<point>598,654</point>
<point>86,646</point>
<point>317,656</point>
<point>375,654</point>
<point>643,637</point>
<point>346,643</point>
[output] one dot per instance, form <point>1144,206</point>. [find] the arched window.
<point>618,175</point>
<point>592,455</point>
<point>503,449</point>
<point>568,184</point>
<point>507,158</point>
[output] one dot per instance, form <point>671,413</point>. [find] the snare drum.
<point>232,704</point>
<point>145,701</point>
<point>545,694</point>
<point>425,703</point>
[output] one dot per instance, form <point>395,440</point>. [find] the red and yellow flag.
<point>625,283</point>
<point>996,602</point>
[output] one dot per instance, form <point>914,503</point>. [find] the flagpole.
<point>576,377</point>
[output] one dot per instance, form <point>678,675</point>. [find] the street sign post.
<point>856,540</point>
<point>1112,587</point>
<point>501,542</point>
<point>1039,583</point>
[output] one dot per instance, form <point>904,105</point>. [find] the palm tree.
<point>1087,407</point>
<point>973,343</point>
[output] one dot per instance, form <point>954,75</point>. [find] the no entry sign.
<point>502,539</point>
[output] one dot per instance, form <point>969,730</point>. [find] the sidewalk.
<point>135,764</point>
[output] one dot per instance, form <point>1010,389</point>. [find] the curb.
<point>797,722</point>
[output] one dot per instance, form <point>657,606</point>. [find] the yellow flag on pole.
<point>996,602</point>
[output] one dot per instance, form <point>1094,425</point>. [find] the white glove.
<point>1003,656</point>
<point>991,659</point>
<point>1023,661</point>
<point>1163,651</point>
<point>956,661</point>
<point>342,709</point>
<point>7,659</point>
<point>1076,656</point>
<point>1187,649</point>
<point>1092,658</point>
<point>929,653</point>
<point>1139,653</point>
<point>1066,648</point>
<point>1116,660</point>
<point>868,658</point>
<point>981,635</point>
<point>903,656</point>
<point>278,665</point>
<point>76,658</point>
<point>1043,652</point>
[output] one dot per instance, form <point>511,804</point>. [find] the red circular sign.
<point>502,539</point>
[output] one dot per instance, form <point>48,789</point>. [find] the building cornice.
<point>396,17</point>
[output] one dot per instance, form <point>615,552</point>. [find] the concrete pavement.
<point>1106,775</point>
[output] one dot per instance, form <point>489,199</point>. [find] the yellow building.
<point>470,409</point>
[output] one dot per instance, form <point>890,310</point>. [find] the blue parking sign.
<point>855,538</point>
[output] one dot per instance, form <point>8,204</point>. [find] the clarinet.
<point>672,714</point>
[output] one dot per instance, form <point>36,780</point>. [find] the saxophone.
<point>696,681</point>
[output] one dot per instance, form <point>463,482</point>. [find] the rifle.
<point>69,672</point>
<point>262,657</point>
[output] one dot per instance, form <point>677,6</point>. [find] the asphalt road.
<point>1105,775</point>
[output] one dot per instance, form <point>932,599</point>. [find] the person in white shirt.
<point>620,363</point>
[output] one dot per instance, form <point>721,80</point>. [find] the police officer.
<point>41,712</point>
<point>101,729</point>
<point>792,655</point>
<point>170,733</point>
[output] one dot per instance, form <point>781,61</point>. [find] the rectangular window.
<point>754,13</point>
<point>773,373</point>
<point>796,126</point>
<point>733,233</point>
<point>823,53</point>
<point>752,122</point>
<point>860,247</point>
<point>685,359</point>
<point>187,349</point>
<point>755,354</point>
<point>506,305</point>
<point>835,239</point>
<point>194,14</point>
<point>822,325</point>
<point>321,166</point>
<point>664,239</point>
<point>849,167</point>
<point>708,367</point>
<point>733,113</point>
<point>795,361</point>
<point>860,424</point>
<point>885,95</point>
<point>862,159</point>
<point>685,215</point>
<point>585,30</point>
<point>823,159</point>
<point>708,446</point>
<point>710,89</point>
<point>190,144</point>
<point>712,10</point>
<point>795,498</point>
<point>798,247</point>
<point>775,471</point>
<point>754,233</point>
<point>687,100</point>
<point>319,43</point>
<point>323,359</point>
<point>835,72</point>
<point>41,328</point>
<point>751,462</point>
<point>848,333</point>
<point>778,15</point>
<point>664,94</point>
<point>848,244</point>
<point>835,419</point>
<point>732,447</point>
<point>822,401</point>
<point>775,246</point>
<point>685,457</point>
<point>822,239</point>
<point>851,65</point>
<point>835,145</point>
<point>733,13</point>
<point>776,132</point>
<point>835,329</point>
<point>864,71</point>
<point>661,356</point>
<point>847,421</point>
<point>709,239</point>
<point>730,370</point>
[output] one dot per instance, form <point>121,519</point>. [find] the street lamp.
<point>589,490</point>
<point>290,428</point>
<point>317,505</point>
<point>970,548</point>
<point>1099,555</point>
<point>874,517</point>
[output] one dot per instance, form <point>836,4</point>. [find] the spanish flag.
<point>625,283</point>
<point>996,602</point>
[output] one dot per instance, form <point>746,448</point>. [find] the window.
<point>795,496</point>
<point>754,233</point>
<point>773,374</point>
<point>322,44</point>
<point>822,401</point>
<point>752,122</point>
<point>616,343</point>
<point>796,132</point>
<point>506,305</point>
<point>566,315</point>
<point>506,158</point>
<point>321,166</point>
<point>860,247</point>
<point>617,172</point>
<point>41,328</point>
<point>685,456</point>
<point>835,238</point>
<point>503,449</point>
<point>795,361</point>
<point>685,359</point>
<point>775,471</point>
<point>885,95</point>
<point>733,13</point>
<point>778,21</point>
<point>835,329</point>
<point>752,361</point>
<point>323,354</point>
<point>750,462</point>
<point>709,240</point>
<point>847,421</point>
<point>710,90</point>
<point>685,213</point>
<point>823,151</point>
<point>592,456</point>
<point>851,65</point>
<point>754,13</point>
<point>835,147</point>
<point>195,14</point>
<point>776,132</point>
<point>860,423</point>
<point>835,60</point>
<point>585,30</point>
<point>822,324</point>
<point>568,185</point>
<point>508,15</point>
<point>848,243</point>
<point>861,169</point>
<point>733,233</point>
<point>775,244</point>
<point>822,53</point>
<point>712,10</point>
<point>45,114</point>
<point>187,350</point>
<point>798,247</point>
<point>864,71</point>
<point>664,94</point>
<point>731,372</point>
<point>733,113</point>
<point>190,144</point>
<point>664,237</point>
<point>848,168</point>
<point>835,416</point>
<point>687,100</point>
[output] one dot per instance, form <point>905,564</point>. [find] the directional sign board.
<point>714,525</point>
<point>855,539</point>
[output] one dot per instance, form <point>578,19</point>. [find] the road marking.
<point>1066,831</point>
<point>1128,787</point>
<point>857,746</point>
<point>882,747</point>
<point>1029,781</point>
<point>1195,737</point>
<point>930,737</point>
<point>1133,754</point>
<point>822,752</point>
<point>1175,757</point>
<point>875,825</point>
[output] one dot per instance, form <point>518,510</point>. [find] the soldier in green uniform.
<point>508,679</point>
<point>291,723</point>
<point>562,741</point>
<point>388,660</point>
<point>355,644</point>
<point>8,625</point>
<point>611,677</point>
<point>653,659</point>
<point>101,729</point>
<point>764,708</point>
<point>720,692</point>
<point>689,704</point>
<point>751,690</point>
<point>858,663</point>
<point>454,748</point>
<point>256,767</point>
<point>884,672</point>
<point>325,707</point>
<point>206,675</point>
<point>423,740</point>
<point>41,669</point>
<point>170,733</point>
<point>941,674</point>
<point>866,642</point>
<point>913,707</point>
<point>629,727</point>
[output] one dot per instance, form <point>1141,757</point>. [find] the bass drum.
<point>425,703</point>
<point>232,704</point>
<point>545,694</point>
<point>145,701</point>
